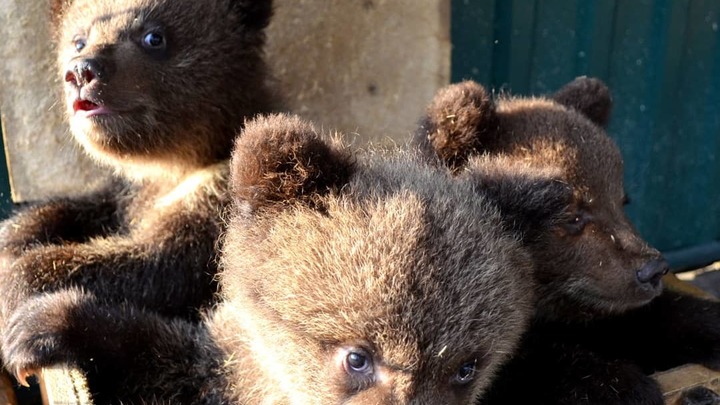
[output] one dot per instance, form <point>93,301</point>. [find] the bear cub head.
<point>361,279</point>
<point>593,263</point>
<point>161,84</point>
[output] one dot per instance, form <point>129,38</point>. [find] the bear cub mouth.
<point>88,108</point>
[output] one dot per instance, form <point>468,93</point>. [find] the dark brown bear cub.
<point>594,336</point>
<point>594,263</point>
<point>157,90</point>
<point>346,280</point>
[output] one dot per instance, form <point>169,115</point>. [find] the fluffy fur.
<point>594,336</point>
<point>157,90</point>
<point>331,260</point>
<point>543,134</point>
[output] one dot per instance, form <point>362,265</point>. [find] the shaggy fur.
<point>164,117</point>
<point>328,257</point>
<point>541,133</point>
<point>594,337</point>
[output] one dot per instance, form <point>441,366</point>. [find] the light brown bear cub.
<point>346,279</point>
<point>157,90</point>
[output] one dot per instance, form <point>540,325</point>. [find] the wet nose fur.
<point>84,72</point>
<point>652,271</point>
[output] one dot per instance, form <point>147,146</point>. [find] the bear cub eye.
<point>357,361</point>
<point>154,40</point>
<point>79,43</point>
<point>465,374</point>
<point>357,367</point>
<point>577,222</point>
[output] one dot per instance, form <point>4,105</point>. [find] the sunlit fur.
<point>210,79</point>
<point>384,259</point>
<point>593,272</point>
<point>595,337</point>
<point>327,250</point>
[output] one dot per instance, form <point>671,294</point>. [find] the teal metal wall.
<point>6,204</point>
<point>661,60</point>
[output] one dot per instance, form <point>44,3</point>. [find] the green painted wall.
<point>6,204</point>
<point>662,61</point>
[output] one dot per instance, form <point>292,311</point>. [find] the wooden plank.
<point>63,386</point>
<point>675,381</point>
<point>678,380</point>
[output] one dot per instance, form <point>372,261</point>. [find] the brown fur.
<point>388,267</point>
<point>375,256</point>
<point>589,265</point>
<point>170,116</point>
<point>210,77</point>
<point>594,338</point>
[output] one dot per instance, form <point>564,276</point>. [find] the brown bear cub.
<point>346,279</point>
<point>157,90</point>
<point>594,336</point>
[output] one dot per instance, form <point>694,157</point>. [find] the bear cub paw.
<point>38,333</point>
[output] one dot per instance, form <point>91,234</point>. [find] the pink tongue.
<point>84,105</point>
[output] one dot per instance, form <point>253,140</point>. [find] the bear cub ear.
<point>589,96</point>
<point>253,14</point>
<point>459,121</point>
<point>280,159</point>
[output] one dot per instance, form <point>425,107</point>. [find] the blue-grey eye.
<point>465,373</point>
<point>358,362</point>
<point>79,43</point>
<point>154,40</point>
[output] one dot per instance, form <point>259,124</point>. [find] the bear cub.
<point>346,279</point>
<point>156,90</point>
<point>603,319</point>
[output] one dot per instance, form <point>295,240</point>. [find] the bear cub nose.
<point>84,72</point>
<point>652,272</point>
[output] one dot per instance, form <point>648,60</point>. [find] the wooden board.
<point>678,380</point>
<point>63,386</point>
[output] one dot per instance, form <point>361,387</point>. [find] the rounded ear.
<point>531,199</point>
<point>589,96</point>
<point>253,14</point>
<point>458,122</point>
<point>280,159</point>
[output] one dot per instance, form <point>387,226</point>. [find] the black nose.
<point>84,72</point>
<point>652,271</point>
